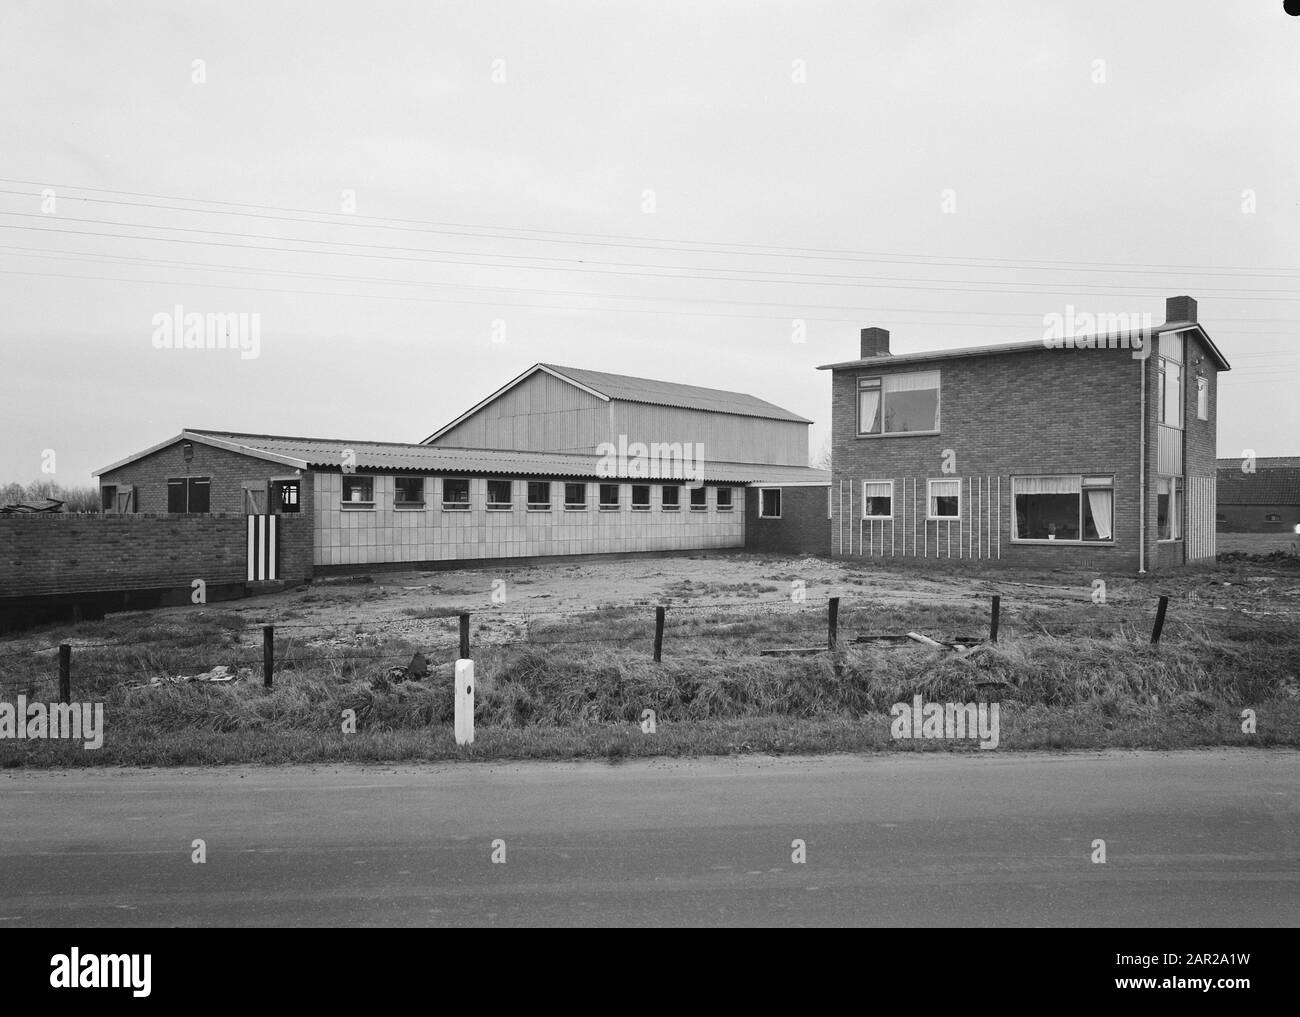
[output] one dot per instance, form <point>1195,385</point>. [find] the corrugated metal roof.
<point>1025,346</point>
<point>1261,462</point>
<point>671,393</point>
<point>1278,486</point>
<point>327,453</point>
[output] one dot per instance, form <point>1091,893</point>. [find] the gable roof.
<point>327,453</point>
<point>1023,347</point>
<point>1267,486</point>
<point>625,388</point>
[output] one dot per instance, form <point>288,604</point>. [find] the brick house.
<point>1097,452</point>
<point>1263,500</point>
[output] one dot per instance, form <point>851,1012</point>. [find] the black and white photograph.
<point>717,464</point>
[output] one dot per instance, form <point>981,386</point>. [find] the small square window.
<point>575,496</point>
<point>608,497</point>
<point>284,496</point>
<point>640,497</point>
<point>455,494</point>
<point>539,495</point>
<point>408,491</point>
<point>945,499</point>
<point>769,503</point>
<point>499,495</point>
<point>358,490</point>
<point>724,499</point>
<point>878,499</point>
<point>699,499</point>
<point>671,500</point>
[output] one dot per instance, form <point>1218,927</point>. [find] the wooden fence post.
<point>659,634</point>
<point>268,654</point>
<point>993,619</point>
<point>1160,620</point>
<point>464,637</point>
<point>832,623</point>
<point>65,673</point>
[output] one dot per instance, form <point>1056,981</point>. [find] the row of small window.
<point>408,492</point>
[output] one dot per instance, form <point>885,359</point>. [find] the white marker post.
<point>464,702</point>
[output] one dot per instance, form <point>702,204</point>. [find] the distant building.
<point>1096,453</point>
<point>1264,501</point>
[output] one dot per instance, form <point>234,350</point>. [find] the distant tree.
<point>80,499</point>
<point>35,494</point>
<point>822,460</point>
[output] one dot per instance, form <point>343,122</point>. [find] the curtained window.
<point>1169,508</point>
<point>899,403</point>
<point>877,499</point>
<point>1063,507</point>
<point>945,499</point>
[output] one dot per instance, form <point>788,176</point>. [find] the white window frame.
<point>1202,397</point>
<point>780,503</point>
<point>1084,488</point>
<point>690,499</point>
<point>456,506</point>
<point>649,498</point>
<point>573,506</point>
<point>929,499</point>
<point>1177,493</point>
<point>500,506</point>
<point>663,502</point>
<point>602,505</point>
<point>356,502</point>
<point>864,499</point>
<point>878,382</point>
<point>407,506</point>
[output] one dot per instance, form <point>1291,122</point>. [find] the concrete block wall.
<point>382,533</point>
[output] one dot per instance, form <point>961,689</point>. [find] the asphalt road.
<point>978,839</point>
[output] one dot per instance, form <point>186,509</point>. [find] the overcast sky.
<point>652,189</point>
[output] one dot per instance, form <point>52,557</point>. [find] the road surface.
<point>975,839</point>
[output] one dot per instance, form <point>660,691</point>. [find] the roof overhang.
<point>1025,347</point>
<point>200,438</point>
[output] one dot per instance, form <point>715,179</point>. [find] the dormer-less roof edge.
<point>506,388</point>
<point>1023,347</point>
<point>203,439</point>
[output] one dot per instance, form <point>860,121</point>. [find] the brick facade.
<point>804,526</point>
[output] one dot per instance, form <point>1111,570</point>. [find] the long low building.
<point>1258,495</point>
<point>374,503</point>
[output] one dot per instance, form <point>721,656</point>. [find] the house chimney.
<point>1177,309</point>
<point>875,342</point>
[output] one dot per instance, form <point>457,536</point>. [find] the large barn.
<point>1262,497</point>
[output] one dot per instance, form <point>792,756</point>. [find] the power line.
<point>830,253</point>
<point>855,282</point>
<point>914,260</point>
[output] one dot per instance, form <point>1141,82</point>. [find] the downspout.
<point>1142,467</point>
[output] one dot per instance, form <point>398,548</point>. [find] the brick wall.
<point>228,471</point>
<point>802,529</point>
<point>1254,518</point>
<point>1032,412</point>
<point>53,554</point>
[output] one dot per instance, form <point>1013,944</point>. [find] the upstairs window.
<point>455,494</point>
<point>1202,398</point>
<point>189,494</point>
<point>640,497</point>
<point>899,403</point>
<point>499,496</point>
<point>671,500</point>
<point>877,499</point>
<point>1171,393</point>
<point>539,495</point>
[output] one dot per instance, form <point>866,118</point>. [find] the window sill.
<point>769,517</point>
<point>699,508</point>
<point>877,519</point>
<point>957,519</point>
<point>540,509</point>
<point>640,508</point>
<point>727,509</point>
<point>901,434</point>
<point>500,508</point>
<point>1064,543</point>
<point>408,506</point>
<point>670,508</point>
<point>609,508</point>
<point>358,505</point>
<point>455,508</point>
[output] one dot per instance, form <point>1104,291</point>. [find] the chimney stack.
<point>875,342</point>
<point>1177,309</point>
